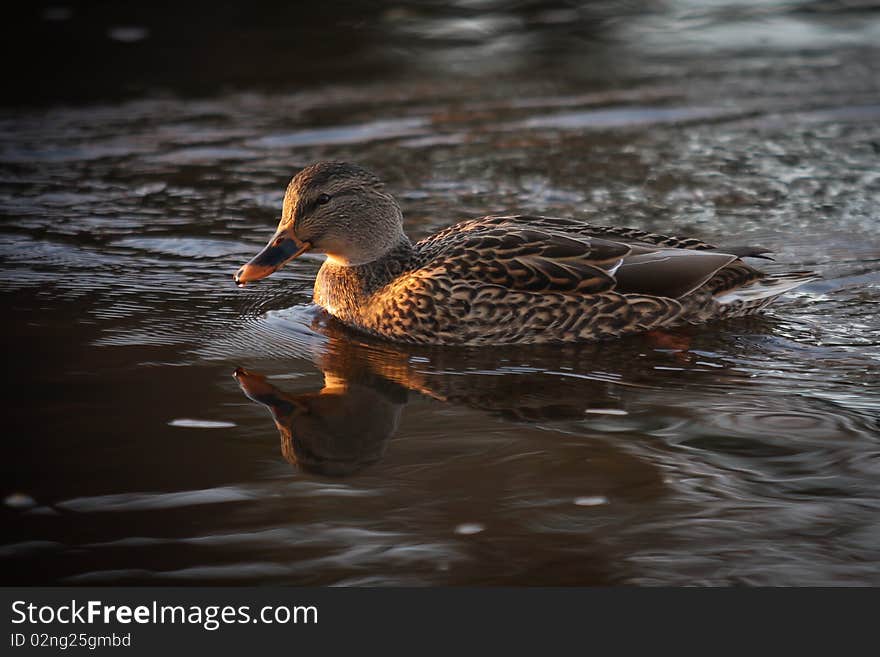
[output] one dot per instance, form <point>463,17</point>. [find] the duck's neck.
<point>344,289</point>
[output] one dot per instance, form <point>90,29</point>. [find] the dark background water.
<point>143,156</point>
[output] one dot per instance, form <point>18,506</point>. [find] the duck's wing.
<point>634,236</point>
<point>527,259</point>
<point>655,265</point>
<point>548,256</point>
<point>615,233</point>
<point>669,272</point>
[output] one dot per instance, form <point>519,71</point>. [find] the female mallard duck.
<point>500,280</point>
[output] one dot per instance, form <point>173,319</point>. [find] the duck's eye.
<point>323,199</point>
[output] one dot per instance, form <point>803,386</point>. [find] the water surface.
<point>743,452</point>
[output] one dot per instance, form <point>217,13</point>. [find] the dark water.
<point>744,452</point>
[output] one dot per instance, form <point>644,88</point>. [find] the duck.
<point>501,279</point>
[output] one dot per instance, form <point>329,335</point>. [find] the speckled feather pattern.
<point>523,279</point>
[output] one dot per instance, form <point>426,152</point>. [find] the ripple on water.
<point>186,247</point>
<point>153,501</point>
<point>191,423</point>
<point>799,420</point>
<point>345,134</point>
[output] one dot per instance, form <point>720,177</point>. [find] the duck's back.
<point>531,279</point>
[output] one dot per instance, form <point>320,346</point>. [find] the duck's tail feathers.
<point>766,288</point>
<point>746,251</point>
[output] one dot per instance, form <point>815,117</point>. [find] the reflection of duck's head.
<point>336,431</point>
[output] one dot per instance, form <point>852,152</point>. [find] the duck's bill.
<point>282,248</point>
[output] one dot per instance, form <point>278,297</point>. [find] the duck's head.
<point>335,208</point>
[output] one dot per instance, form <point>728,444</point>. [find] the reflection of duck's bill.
<point>251,383</point>
<point>256,387</point>
<point>282,248</point>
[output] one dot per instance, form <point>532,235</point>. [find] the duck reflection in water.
<point>336,431</point>
<point>345,426</point>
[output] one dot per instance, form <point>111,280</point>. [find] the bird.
<point>501,279</point>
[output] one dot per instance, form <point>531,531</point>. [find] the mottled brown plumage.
<point>501,279</point>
